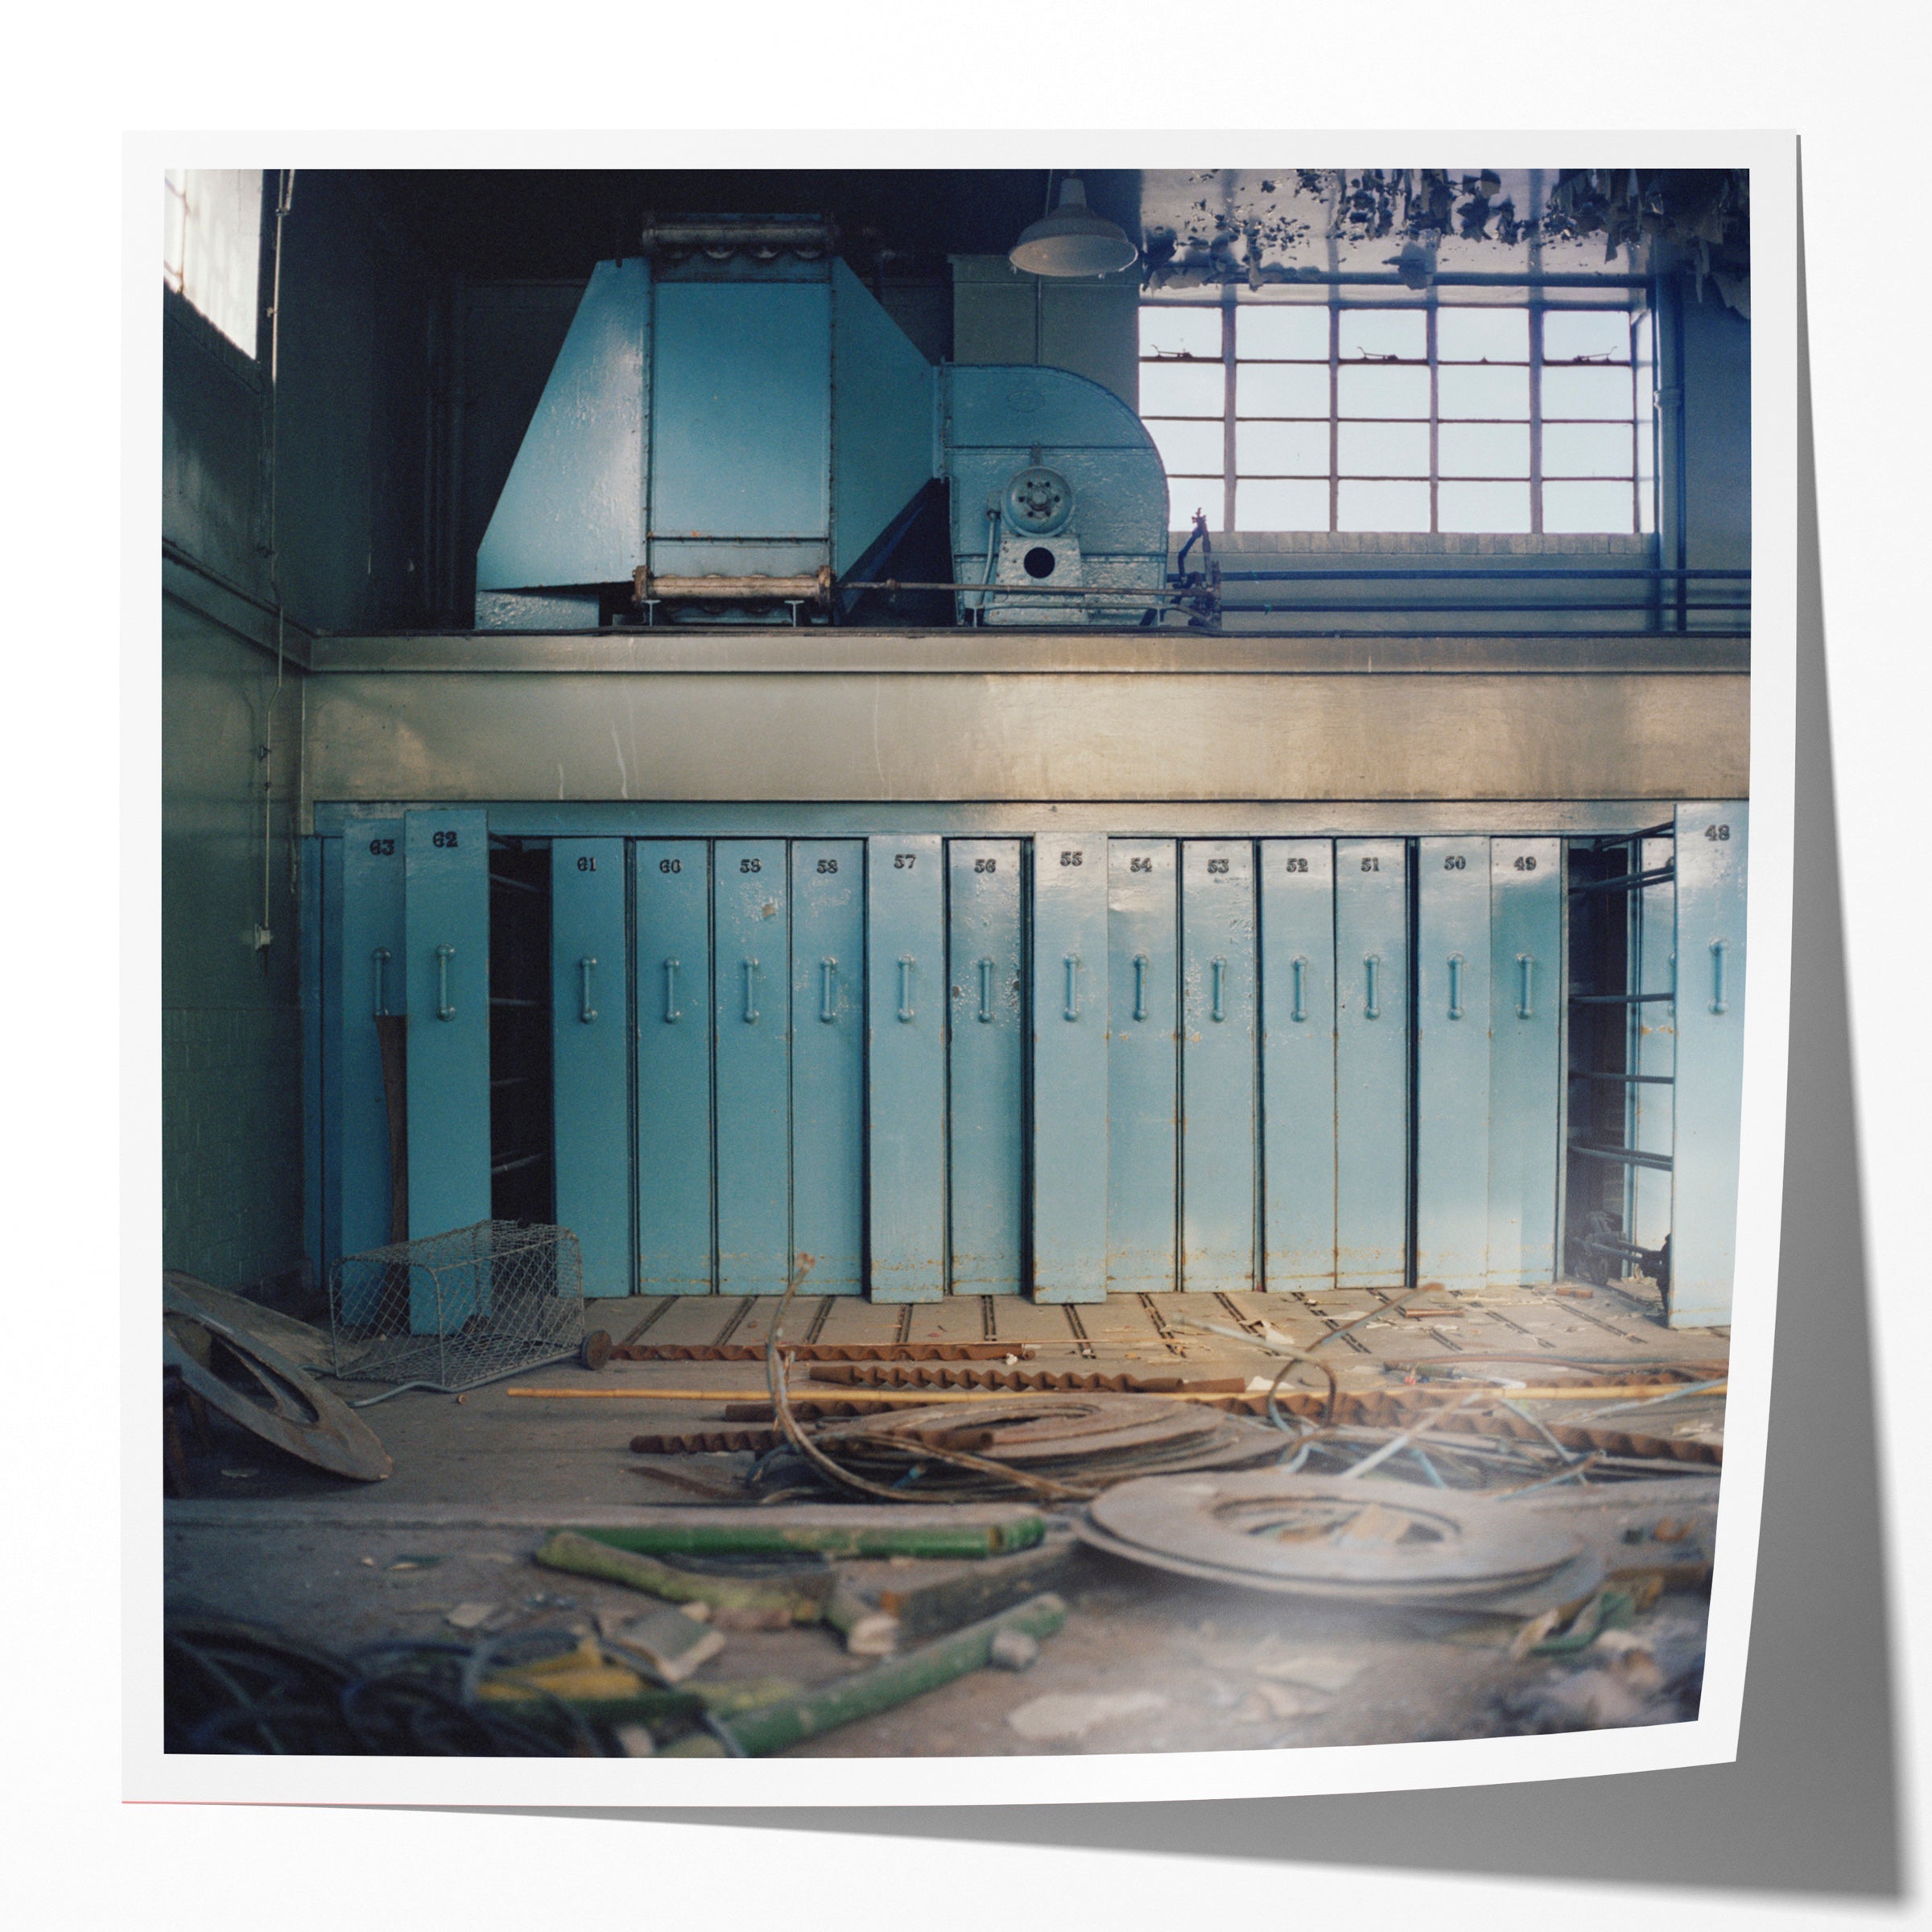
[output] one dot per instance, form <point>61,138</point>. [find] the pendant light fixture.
<point>1073,241</point>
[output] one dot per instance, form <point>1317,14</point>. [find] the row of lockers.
<point>1065,1064</point>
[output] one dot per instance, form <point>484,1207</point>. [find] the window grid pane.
<point>1403,416</point>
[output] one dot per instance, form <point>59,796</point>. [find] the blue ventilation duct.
<point>729,431</point>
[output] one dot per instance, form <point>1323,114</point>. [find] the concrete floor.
<point>1177,1665</point>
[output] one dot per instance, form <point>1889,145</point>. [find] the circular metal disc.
<point>1331,1535</point>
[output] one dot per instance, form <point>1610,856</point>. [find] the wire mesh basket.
<point>452,1310</point>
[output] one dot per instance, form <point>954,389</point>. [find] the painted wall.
<point>1000,314</point>
<point>231,1048</point>
<point>354,525</point>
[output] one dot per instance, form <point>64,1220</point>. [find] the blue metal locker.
<point>369,981</point>
<point>1652,1048</point>
<point>321,940</point>
<point>590,1059</point>
<point>1452,1026</point>
<point>1070,993</point>
<point>1218,1028</point>
<point>987,1065</point>
<point>1526,981</point>
<point>672,898</point>
<point>828,1061</point>
<point>1712,841</point>
<point>1298,1064</point>
<point>1143,1064</point>
<point>446,984</point>
<point>1370,1063</point>
<point>446,981</point>
<point>906,1032</point>
<point>751,983</point>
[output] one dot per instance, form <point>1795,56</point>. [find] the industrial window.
<point>1525,417</point>
<point>211,250</point>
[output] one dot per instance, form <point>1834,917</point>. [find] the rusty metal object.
<point>707,1438</point>
<point>1394,1408</point>
<point>923,1376</point>
<point>800,235</point>
<point>306,1346</point>
<point>594,1350</point>
<point>822,1351</point>
<point>267,1394</point>
<point>1077,1444</point>
<point>814,588</point>
<point>1329,1538</point>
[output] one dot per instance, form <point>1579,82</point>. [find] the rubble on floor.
<point>1253,1521</point>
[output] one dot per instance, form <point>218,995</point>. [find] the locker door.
<point>368,982</point>
<point>590,1013</point>
<point>1298,1063</point>
<point>1370,1063</point>
<point>1712,844</point>
<point>672,896</point>
<point>828,1061</point>
<point>905,1034</point>
<point>316,938</point>
<point>1525,1009</point>
<point>446,924</point>
<point>1070,1014</point>
<point>987,1065</point>
<point>1452,1107</point>
<point>1218,1025</point>
<point>1143,1066</point>
<point>751,983</point>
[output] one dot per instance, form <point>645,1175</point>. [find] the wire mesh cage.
<point>452,1310</point>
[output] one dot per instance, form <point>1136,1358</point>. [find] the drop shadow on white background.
<point>1812,1804</point>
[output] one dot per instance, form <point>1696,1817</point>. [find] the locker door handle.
<point>1526,1005</point>
<point>671,991</point>
<point>1219,969</point>
<point>1455,985</point>
<point>906,963</point>
<point>1140,985</point>
<point>444,955</point>
<point>1719,949</point>
<point>586,1013</point>
<point>1073,985</point>
<point>1298,968</point>
<point>751,993</point>
<point>828,990</point>
<point>1372,967</point>
<point>379,959</point>
<point>986,990</point>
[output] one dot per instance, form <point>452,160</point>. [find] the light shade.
<point>1073,240</point>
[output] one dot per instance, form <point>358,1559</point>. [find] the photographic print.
<point>966,965</point>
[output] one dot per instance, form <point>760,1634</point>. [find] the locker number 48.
<point>1717,832</point>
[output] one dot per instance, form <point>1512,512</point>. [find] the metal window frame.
<point>1534,305</point>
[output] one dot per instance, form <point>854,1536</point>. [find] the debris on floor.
<point>1273,1521</point>
<point>1058,1717</point>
